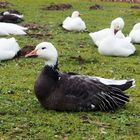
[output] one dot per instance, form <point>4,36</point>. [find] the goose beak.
<point>32,54</point>
<point>115,31</point>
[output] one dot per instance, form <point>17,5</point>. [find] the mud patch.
<point>37,30</point>
<point>62,6</point>
<point>135,7</point>
<point>34,26</point>
<point>40,35</point>
<point>25,50</point>
<point>96,7</point>
<point>5,4</point>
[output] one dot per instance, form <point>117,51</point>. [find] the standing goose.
<point>115,29</point>
<point>74,23</point>
<point>8,48</point>
<point>10,28</point>
<point>73,92</point>
<point>135,33</point>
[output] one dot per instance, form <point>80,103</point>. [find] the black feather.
<point>71,92</point>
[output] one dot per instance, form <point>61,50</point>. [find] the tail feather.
<point>111,100</point>
<point>119,96</point>
<point>128,84</point>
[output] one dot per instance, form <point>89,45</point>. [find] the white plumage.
<point>114,46</point>
<point>115,28</point>
<point>10,28</point>
<point>74,23</point>
<point>135,33</point>
<point>8,48</point>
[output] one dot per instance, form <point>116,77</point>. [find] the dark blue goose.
<point>74,92</point>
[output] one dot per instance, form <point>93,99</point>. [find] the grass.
<point>22,117</point>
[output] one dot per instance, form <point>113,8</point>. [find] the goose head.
<point>75,14</point>
<point>117,24</point>
<point>47,51</point>
<point>136,26</point>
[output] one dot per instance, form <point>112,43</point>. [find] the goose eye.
<point>43,48</point>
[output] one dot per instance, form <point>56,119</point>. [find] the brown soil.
<point>96,7</point>
<point>34,26</point>
<point>39,32</point>
<point>25,50</point>
<point>4,4</point>
<point>62,6</point>
<point>40,35</point>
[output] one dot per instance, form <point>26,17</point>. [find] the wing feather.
<point>87,92</point>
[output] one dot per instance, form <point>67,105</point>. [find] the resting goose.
<point>8,48</point>
<point>135,33</point>
<point>115,29</point>
<point>74,23</point>
<point>114,46</point>
<point>71,91</point>
<point>10,17</point>
<point>10,28</point>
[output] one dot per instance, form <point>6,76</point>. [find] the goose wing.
<point>123,84</point>
<point>89,94</point>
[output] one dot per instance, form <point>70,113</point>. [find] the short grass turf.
<point>22,117</point>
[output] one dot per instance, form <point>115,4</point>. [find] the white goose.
<point>8,48</point>
<point>115,28</point>
<point>135,33</point>
<point>114,46</point>
<point>74,23</point>
<point>74,92</point>
<point>10,28</point>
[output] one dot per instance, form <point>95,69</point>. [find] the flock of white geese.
<point>110,41</point>
<point>71,91</point>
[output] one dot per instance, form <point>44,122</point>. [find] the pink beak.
<point>32,54</point>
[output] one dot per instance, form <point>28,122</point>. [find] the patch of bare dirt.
<point>4,4</point>
<point>37,30</point>
<point>34,26</point>
<point>40,35</point>
<point>96,7</point>
<point>62,6</point>
<point>25,50</point>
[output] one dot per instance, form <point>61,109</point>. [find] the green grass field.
<point>22,117</point>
